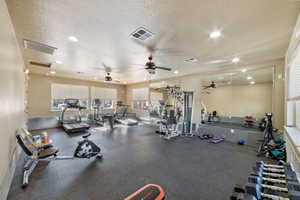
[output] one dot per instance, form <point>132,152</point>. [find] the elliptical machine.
<point>34,154</point>
<point>96,117</point>
<point>121,116</point>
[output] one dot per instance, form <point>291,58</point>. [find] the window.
<point>140,105</point>
<point>106,103</point>
<point>60,92</point>
<point>140,98</point>
<point>293,98</point>
<point>155,99</point>
<point>107,96</point>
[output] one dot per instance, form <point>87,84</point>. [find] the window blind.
<point>64,91</point>
<point>104,93</point>
<point>294,80</point>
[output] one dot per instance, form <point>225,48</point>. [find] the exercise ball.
<point>241,141</point>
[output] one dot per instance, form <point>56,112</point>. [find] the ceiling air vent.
<point>40,64</point>
<point>29,44</point>
<point>191,60</point>
<point>142,34</point>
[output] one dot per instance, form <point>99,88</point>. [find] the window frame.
<point>83,101</point>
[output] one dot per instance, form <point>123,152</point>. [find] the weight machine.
<point>187,114</point>
<point>171,114</point>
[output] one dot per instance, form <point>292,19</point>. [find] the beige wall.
<point>267,97</point>
<point>278,95</point>
<point>12,99</point>
<point>39,92</point>
<point>240,100</point>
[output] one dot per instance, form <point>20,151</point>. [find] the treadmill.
<point>74,125</point>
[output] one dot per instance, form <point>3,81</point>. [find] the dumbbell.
<point>274,167</point>
<point>293,191</point>
<point>238,192</point>
<point>271,166</point>
<point>289,174</point>
<point>274,170</point>
<point>261,180</point>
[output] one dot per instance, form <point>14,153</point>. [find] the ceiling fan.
<point>108,76</point>
<point>151,66</point>
<point>211,85</point>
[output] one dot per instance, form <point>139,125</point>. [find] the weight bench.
<point>35,154</point>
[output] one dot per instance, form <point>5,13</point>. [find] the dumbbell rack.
<point>276,182</point>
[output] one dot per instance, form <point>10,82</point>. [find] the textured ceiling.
<point>259,75</point>
<point>254,30</point>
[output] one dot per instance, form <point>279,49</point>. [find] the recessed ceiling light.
<point>215,34</point>
<point>216,61</point>
<point>52,72</point>
<point>26,71</point>
<point>192,60</point>
<point>73,38</point>
<point>236,60</point>
<point>252,82</point>
<point>243,70</point>
<point>176,72</point>
<point>58,62</point>
<point>249,78</point>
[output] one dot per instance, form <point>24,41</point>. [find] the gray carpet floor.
<point>187,168</point>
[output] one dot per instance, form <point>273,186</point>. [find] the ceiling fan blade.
<point>151,46</point>
<point>164,68</point>
<point>143,65</point>
<point>99,68</point>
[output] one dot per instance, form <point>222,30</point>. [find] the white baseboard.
<point>5,185</point>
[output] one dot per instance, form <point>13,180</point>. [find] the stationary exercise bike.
<point>87,149</point>
<point>270,145</point>
<point>34,154</point>
<point>268,134</point>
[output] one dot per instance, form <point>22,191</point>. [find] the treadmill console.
<point>72,103</point>
<point>97,102</point>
